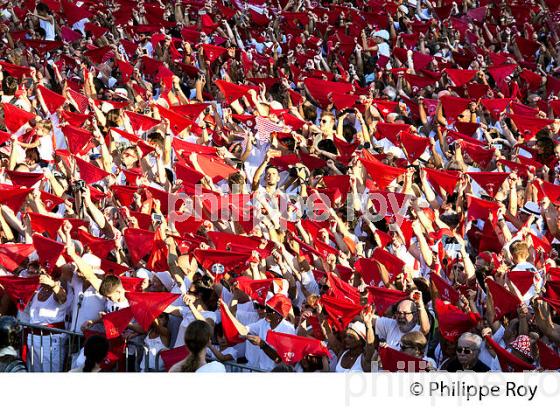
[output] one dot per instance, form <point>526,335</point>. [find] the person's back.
<point>10,334</point>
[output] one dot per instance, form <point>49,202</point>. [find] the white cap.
<point>531,207</point>
<point>94,262</point>
<point>359,328</point>
<point>166,279</point>
<point>121,92</point>
<point>144,273</point>
<point>384,34</point>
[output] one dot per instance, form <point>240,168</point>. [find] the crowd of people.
<point>287,186</point>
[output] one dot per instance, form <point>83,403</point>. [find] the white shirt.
<point>89,300</point>
<point>254,354</point>
<point>389,330</point>
<point>212,367</point>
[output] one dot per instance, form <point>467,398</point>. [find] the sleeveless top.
<point>356,367</point>
<point>47,312</point>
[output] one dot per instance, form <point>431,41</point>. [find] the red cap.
<point>280,304</point>
<point>19,290</point>
<point>231,333</point>
<point>139,243</point>
<point>384,298</point>
<point>445,291</point>
<point>25,179</point>
<point>396,361</point>
<point>48,250</point>
<point>340,312</point>
<point>52,100</point>
<point>15,117</point>
<point>489,181</point>
<point>43,223</point>
<point>147,306</point>
<point>292,349</point>
<point>453,322</point>
<point>508,361</point>
<point>446,180</point>
<point>97,246</point>
<point>505,302</point>
<point>116,322</point>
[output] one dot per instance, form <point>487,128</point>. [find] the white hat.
<point>384,34</point>
<point>531,207</point>
<point>144,273</point>
<point>359,328</point>
<point>94,262</point>
<point>121,92</point>
<point>166,279</point>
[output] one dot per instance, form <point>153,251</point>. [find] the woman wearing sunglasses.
<point>468,350</point>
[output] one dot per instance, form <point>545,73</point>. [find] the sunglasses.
<point>464,350</point>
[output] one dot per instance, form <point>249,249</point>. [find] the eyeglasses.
<point>464,350</point>
<point>404,313</point>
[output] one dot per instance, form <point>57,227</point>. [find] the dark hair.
<point>109,284</point>
<point>33,154</point>
<point>95,350</point>
<point>197,336</point>
<point>9,85</point>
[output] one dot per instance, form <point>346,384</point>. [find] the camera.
<point>79,185</point>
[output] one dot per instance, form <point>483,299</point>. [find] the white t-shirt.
<point>254,354</point>
<point>188,317</point>
<point>389,330</point>
<point>90,302</point>
<point>212,367</point>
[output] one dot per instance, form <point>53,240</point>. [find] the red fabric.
<point>529,126</point>
<point>452,321</point>
<point>13,254</point>
<point>78,139</point>
<point>341,289</point>
<point>489,181</point>
<point>384,298</point>
<point>97,246</point>
<point>52,100</point>
<point>496,106</point>
<point>381,174</point>
<point>453,106</point>
<point>320,89</point>
<point>446,180</point>
<point>231,91</point>
<point>215,167</point>
<point>147,306</point>
<point>48,250</point>
<point>15,117</point>
<point>177,122</point>
<point>391,131</point>
<point>230,331</point>
<point>13,198</point>
<point>89,172</point>
<point>340,312</point>
<point>499,73</point>
<point>131,284</point>
<point>413,145</point>
<point>480,208</point>
<point>460,77</point>
<point>548,358</point>
<point>19,290</point>
<point>523,280</point>
<point>116,322</point>
<point>26,179</point>
<point>16,70</point>
<point>445,291</point>
<point>43,223</point>
<point>505,302</point>
<point>292,349</point>
<point>141,123</point>
<point>396,361</point>
<point>50,201</point>
<point>139,243</point>
<point>508,362</point>
<point>230,260</point>
<point>173,356</point>
<point>157,261</point>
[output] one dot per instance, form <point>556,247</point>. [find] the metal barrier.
<point>49,349</point>
<point>231,367</point>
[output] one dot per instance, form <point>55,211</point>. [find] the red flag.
<point>141,123</point>
<point>292,349</point>
<point>508,362</point>
<point>15,117</point>
<point>13,254</point>
<point>396,361</point>
<point>460,77</point>
<point>19,290</point>
<point>230,331</point>
<point>160,252</point>
<point>99,247</point>
<point>230,260</point>
<point>523,280</point>
<point>380,173</point>
<point>116,322</point>
<point>78,139</point>
<point>52,100</point>
<point>453,322</point>
<point>504,301</point>
<point>231,91</point>
<point>139,243</point>
<point>147,306</point>
<point>529,126</point>
<point>480,209</point>
<point>48,250</point>
<point>340,312</point>
<point>384,298</point>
